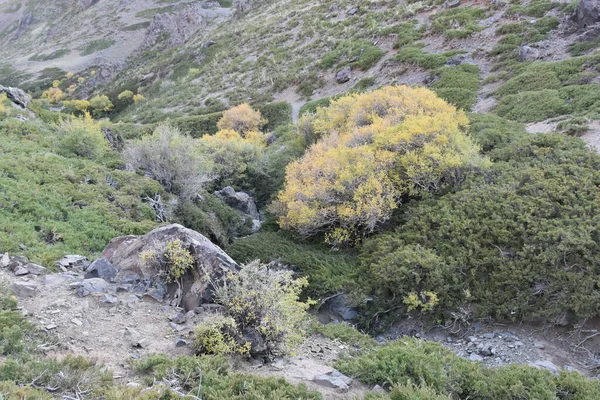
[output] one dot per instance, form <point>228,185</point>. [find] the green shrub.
<point>458,85</point>
<point>463,246</point>
<point>536,8</point>
<point>417,57</point>
<point>278,114</point>
<point>355,53</point>
<point>212,378</point>
<point>459,22</point>
<point>491,132</point>
<point>531,106</point>
<point>198,125</point>
<point>82,137</point>
<point>311,106</point>
<point>265,305</point>
<point>328,272</point>
<point>221,336</point>
<point>96,45</point>
<point>579,48</point>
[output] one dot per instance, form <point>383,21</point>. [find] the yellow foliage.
<point>53,95</point>
<point>125,95</point>
<point>242,119</point>
<point>80,79</point>
<point>75,106</point>
<point>69,75</point>
<point>2,99</point>
<point>374,149</point>
<point>55,83</point>
<point>138,97</point>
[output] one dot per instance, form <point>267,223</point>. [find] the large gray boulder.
<point>587,14</point>
<point>16,95</point>
<point>210,262</point>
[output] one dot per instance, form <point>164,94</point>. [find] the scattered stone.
<point>545,364</point>
<point>140,344</point>
<point>176,327</point>
<point>35,269</point>
<point>93,286</point>
<point>475,357</point>
<point>24,289</point>
<point>353,11</point>
<point>528,53</point>
<point>178,318</point>
<point>20,271</point>
<point>4,260</point>
<point>378,389</point>
<point>539,345</point>
<point>453,4</point>
<point>110,299</point>
<point>51,327</point>
<point>519,343</point>
<point>334,380</point>
<point>343,75</point>
<point>22,247</point>
<point>77,321</point>
<point>487,351</point>
<point>489,335</point>
<point>472,339</point>
<point>101,269</point>
<point>240,201</point>
<point>73,262</point>
<point>16,262</point>
<point>208,44</point>
<point>181,343</point>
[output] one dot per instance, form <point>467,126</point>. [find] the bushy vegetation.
<point>415,369</point>
<point>416,56</point>
<point>458,85</point>
<point>458,22</point>
<point>462,248</point>
<point>349,182</point>
<point>57,204</point>
<point>354,53</point>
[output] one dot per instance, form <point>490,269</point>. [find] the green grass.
<point>151,12</point>
<point>459,22</point>
<point>580,48</point>
<point>82,203</point>
<point>328,271</point>
<point>535,8</point>
<point>137,27</point>
<point>96,45</point>
<point>417,57</point>
<point>354,53</point>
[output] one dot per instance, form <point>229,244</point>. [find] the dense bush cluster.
<point>415,369</point>
<point>372,150</point>
<point>518,241</point>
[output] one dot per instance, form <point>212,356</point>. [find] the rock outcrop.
<point>16,95</point>
<point>210,263</point>
<point>182,25</point>
<point>587,14</point>
<point>238,200</point>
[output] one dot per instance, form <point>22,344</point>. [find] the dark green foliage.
<point>9,76</point>
<point>278,114</point>
<point>417,57</point>
<point>406,33</point>
<point>355,53</point>
<point>363,85</point>
<point>198,125</point>
<point>536,8</point>
<point>531,106</point>
<point>213,218</point>
<point>441,373</point>
<point>518,240</point>
<point>138,26</point>
<point>458,85</point>
<point>312,106</point>
<point>446,22</point>
<point>574,126</point>
<point>96,45</point>
<point>328,271</point>
<point>47,57</point>
<point>125,131</point>
<point>490,131</point>
<point>344,333</point>
<point>59,205</point>
<point>580,48</point>
<point>212,378</point>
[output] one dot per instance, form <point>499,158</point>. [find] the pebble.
<point>51,326</point>
<point>180,343</point>
<point>77,321</point>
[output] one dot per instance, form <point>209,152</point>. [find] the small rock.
<point>133,384</point>
<point>20,271</point>
<point>24,289</point>
<point>181,343</point>
<point>539,345</point>
<point>178,318</point>
<point>519,343</point>
<point>453,4</point>
<point>335,380</point>
<point>101,269</point>
<point>176,327</point>
<point>475,357</point>
<point>343,75</point>
<point>51,326</point>
<point>35,269</point>
<point>378,389</point>
<point>73,261</point>
<point>353,11</point>
<point>16,262</point>
<point>22,247</point>
<point>140,344</point>
<point>93,286</point>
<point>77,321</point>
<point>545,364</point>
<point>472,339</point>
<point>528,53</point>
<point>110,299</point>
<point>487,351</point>
<point>4,260</point>
<point>489,335</point>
